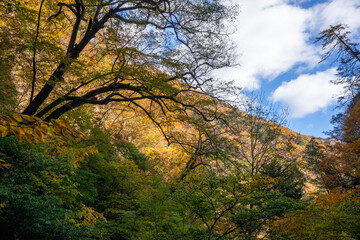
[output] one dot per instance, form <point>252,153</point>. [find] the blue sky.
<point>277,56</point>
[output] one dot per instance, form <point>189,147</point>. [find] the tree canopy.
<point>97,52</point>
<point>335,41</point>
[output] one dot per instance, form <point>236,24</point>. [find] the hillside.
<point>172,159</point>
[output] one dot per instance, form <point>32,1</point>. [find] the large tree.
<point>148,53</point>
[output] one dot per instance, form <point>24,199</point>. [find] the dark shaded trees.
<point>289,180</point>
<point>43,195</point>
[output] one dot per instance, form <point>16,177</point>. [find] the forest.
<point>111,127</point>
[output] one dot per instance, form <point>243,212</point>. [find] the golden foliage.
<point>31,128</point>
<point>3,164</point>
<point>88,216</point>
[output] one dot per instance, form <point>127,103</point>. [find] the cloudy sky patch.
<point>335,12</point>
<point>270,40</point>
<point>277,54</point>
<point>308,93</point>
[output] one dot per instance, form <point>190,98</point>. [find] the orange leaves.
<point>351,123</point>
<point>4,165</point>
<point>31,128</point>
<point>341,170</point>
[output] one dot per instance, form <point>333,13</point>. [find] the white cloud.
<point>336,12</point>
<point>276,36</point>
<point>271,39</point>
<point>308,93</point>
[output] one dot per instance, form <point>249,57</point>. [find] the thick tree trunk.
<point>46,90</point>
<point>63,109</point>
<point>73,52</point>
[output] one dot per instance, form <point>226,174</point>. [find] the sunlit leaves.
<point>88,216</point>
<point>30,128</point>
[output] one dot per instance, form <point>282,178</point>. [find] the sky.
<point>277,56</point>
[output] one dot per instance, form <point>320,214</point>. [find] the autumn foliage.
<point>341,170</point>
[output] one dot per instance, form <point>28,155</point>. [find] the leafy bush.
<point>42,195</point>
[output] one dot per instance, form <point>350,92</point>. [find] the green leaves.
<point>229,205</point>
<point>42,196</point>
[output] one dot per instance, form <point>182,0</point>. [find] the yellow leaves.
<point>4,131</point>
<point>28,118</point>
<point>59,130</point>
<point>39,134</point>
<point>3,164</point>
<point>18,132</point>
<point>30,128</point>
<point>59,123</point>
<point>28,134</point>
<point>75,133</point>
<point>89,216</point>
<point>91,150</point>
<point>17,117</point>
<point>77,155</point>
<point>7,121</point>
